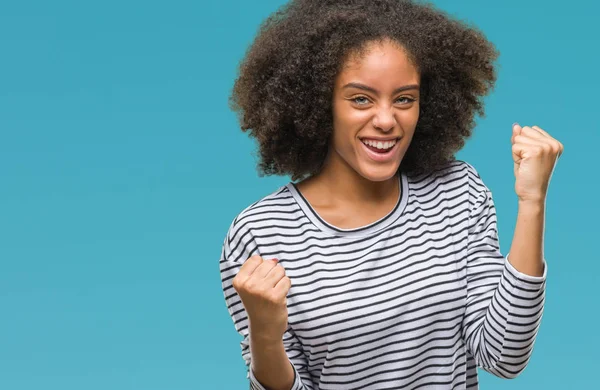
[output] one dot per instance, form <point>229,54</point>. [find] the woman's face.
<point>375,111</point>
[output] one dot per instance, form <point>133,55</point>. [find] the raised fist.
<point>263,286</point>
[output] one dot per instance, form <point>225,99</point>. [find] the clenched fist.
<point>535,154</point>
<point>263,287</point>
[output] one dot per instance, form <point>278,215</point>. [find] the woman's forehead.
<point>379,64</point>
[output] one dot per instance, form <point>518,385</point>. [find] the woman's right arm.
<point>272,362</point>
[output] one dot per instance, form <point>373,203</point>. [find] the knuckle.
<point>239,280</point>
<point>251,285</point>
<point>556,150</point>
<point>249,263</point>
<point>255,258</point>
<point>266,265</point>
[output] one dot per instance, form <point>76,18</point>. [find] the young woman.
<point>378,265</point>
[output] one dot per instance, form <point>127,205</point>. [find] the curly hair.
<point>283,94</point>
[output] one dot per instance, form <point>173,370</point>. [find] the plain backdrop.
<point>122,166</point>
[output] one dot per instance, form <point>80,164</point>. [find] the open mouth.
<point>379,146</point>
<point>381,151</point>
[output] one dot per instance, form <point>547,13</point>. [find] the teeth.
<point>379,144</point>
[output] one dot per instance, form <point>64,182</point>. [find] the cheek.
<point>359,117</point>
<point>350,122</point>
<point>347,123</point>
<point>410,115</point>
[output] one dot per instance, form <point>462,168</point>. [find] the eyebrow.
<point>370,89</point>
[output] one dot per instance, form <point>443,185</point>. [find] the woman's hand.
<point>535,154</point>
<point>263,287</point>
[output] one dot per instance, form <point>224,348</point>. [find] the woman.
<point>378,266</point>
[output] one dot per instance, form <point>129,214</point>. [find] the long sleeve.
<point>237,248</point>
<point>504,306</point>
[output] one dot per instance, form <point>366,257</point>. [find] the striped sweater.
<point>418,299</point>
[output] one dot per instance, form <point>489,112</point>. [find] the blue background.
<point>121,168</point>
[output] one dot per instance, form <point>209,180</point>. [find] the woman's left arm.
<point>535,154</point>
<point>505,294</point>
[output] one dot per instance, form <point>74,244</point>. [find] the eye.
<point>407,99</point>
<point>358,100</point>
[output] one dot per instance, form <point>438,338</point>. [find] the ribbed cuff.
<point>256,385</point>
<point>519,277</point>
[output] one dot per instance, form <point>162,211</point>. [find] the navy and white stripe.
<point>417,299</point>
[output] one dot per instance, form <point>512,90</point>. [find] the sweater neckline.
<point>360,231</point>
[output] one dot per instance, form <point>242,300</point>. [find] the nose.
<point>384,119</point>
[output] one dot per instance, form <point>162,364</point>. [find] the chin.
<point>381,173</point>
